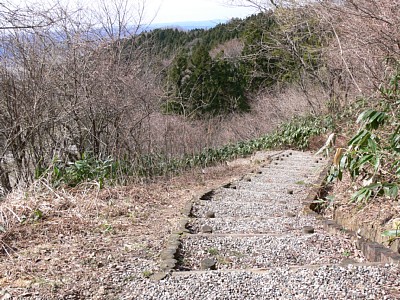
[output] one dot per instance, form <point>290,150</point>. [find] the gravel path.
<point>258,244</point>
<point>255,225</point>
<point>232,252</point>
<point>332,282</point>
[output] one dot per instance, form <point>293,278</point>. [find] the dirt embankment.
<point>369,220</point>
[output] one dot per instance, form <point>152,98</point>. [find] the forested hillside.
<point>216,71</point>
<point>107,132</point>
<point>81,103</point>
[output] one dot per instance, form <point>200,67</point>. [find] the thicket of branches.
<point>366,40</point>
<point>73,83</point>
<point>68,88</point>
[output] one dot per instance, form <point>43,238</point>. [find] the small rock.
<point>5,295</point>
<point>348,261</point>
<point>386,219</point>
<point>168,254</point>
<point>173,245</point>
<point>183,223</point>
<point>308,229</point>
<point>101,291</point>
<point>168,264</point>
<point>290,214</point>
<point>28,294</point>
<point>159,276</point>
<point>210,214</point>
<point>174,237</point>
<point>259,172</point>
<point>208,264</point>
<point>317,161</point>
<point>206,229</point>
<point>290,192</point>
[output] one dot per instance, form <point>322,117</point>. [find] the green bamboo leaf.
<point>391,233</point>
<point>360,136</point>
<point>365,159</point>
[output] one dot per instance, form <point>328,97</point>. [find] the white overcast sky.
<point>193,10</point>
<point>163,11</point>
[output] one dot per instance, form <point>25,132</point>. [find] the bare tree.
<point>367,39</point>
<point>69,89</point>
<point>265,5</point>
<point>13,16</point>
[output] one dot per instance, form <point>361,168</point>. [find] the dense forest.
<point>110,105</point>
<point>213,72</point>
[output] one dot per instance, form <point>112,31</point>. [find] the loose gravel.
<point>258,224</point>
<point>326,282</point>
<point>232,252</point>
<point>254,225</point>
<point>246,209</point>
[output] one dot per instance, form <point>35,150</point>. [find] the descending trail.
<point>252,240</point>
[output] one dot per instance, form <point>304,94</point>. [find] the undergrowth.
<point>372,156</point>
<point>294,134</point>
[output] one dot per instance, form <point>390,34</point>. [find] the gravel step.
<point>265,251</point>
<point>325,282</point>
<point>264,186</point>
<point>229,208</point>
<point>344,263</point>
<point>253,225</point>
<point>292,166</point>
<point>247,193</point>
<point>273,188</point>
<point>229,194</point>
<point>284,180</point>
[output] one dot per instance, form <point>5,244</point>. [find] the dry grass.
<point>88,242</point>
<point>176,135</point>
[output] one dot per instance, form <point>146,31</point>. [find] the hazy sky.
<point>193,10</point>
<point>164,11</point>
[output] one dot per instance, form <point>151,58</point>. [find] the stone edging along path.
<point>169,257</point>
<point>373,251</point>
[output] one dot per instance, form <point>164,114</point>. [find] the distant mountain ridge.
<point>188,25</point>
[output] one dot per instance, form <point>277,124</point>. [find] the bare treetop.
<point>17,17</point>
<point>264,5</point>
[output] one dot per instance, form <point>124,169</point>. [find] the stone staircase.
<point>256,239</point>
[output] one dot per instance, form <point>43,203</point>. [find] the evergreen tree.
<point>202,87</point>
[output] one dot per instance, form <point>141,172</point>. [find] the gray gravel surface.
<point>259,225</point>
<point>265,251</point>
<point>326,282</point>
<point>245,209</point>
<point>254,225</point>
